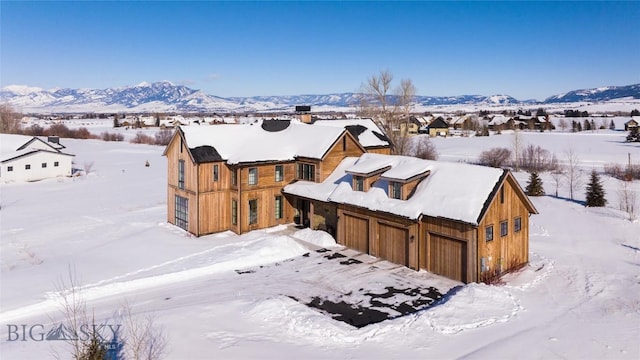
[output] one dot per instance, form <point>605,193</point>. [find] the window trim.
<point>306,171</point>
<point>504,228</point>
<point>252,178</point>
<point>392,190</point>
<point>181,209</point>
<point>253,220</point>
<point>358,183</point>
<point>488,233</point>
<point>234,212</point>
<point>517,224</point>
<point>181,174</point>
<point>278,207</point>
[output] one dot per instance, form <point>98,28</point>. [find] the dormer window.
<point>306,171</point>
<point>395,190</point>
<point>358,183</point>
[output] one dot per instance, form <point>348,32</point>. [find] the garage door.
<point>448,257</point>
<point>392,244</point>
<point>356,233</point>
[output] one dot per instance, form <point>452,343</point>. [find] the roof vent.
<point>275,125</point>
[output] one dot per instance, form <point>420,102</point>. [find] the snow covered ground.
<point>230,296</point>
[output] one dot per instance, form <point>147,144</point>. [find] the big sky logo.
<point>38,332</point>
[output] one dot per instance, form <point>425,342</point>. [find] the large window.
<point>358,183</point>
<point>253,176</point>
<point>216,174</point>
<point>181,174</point>
<point>234,212</point>
<point>279,173</point>
<point>182,212</point>
<point>278,207</point>
<point>504,228</point>
<point>517,224</point>
<point>488,233</point>
<point>395,190</point>
<point>306,172</point>
<point>253,212</point>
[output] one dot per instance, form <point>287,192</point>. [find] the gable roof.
<point>438,123</point>
<point>365,131</point>
<point>445,192</point>
<point>16,146</point>
<point>258,142</point>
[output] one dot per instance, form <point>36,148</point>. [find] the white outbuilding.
<point>26,158</point>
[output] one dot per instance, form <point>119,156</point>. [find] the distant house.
<point>632,124</point>
<point>368,134</point>
<point>25,158</point>
<point>438,127</point>
<point>424,214</point>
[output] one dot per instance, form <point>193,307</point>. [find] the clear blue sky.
<point>524,49</point>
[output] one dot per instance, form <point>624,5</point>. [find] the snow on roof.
<point>10,143</point>
<point>451,190</point>
<point>367,138</point>
<point>239,143</point>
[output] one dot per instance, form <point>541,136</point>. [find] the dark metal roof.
<point>275,125</point>
<point>203,154</point>
<point>438,123</point>
<point>355,130</point>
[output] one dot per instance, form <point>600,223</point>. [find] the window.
<point>502,195</point>
<point>358,183</point>
<point>306,172</point>
<point>344,143</point>
<point>253,176</point>
<point>181,174</point>
<point>253,212</point>
<point>279,173</point>
<point>182,212</point>
<point>234,177</point>
<point>395,190</point>
<point>517,224</point>
<point>27,167</point>
<point>278,207</point>
<point>181,145</point>
<point>55,164</point>
<point>9,168</point>
<point>216,168</point>
<point>488,233</point>
<point>234,212</point>
<point>44,165</point>
<point>504,228</point>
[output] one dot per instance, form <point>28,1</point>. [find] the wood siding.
<point>457,235</point>
<point>387,236</point>
<point>504,252</point>
<point>337,153</point>
<point>385,150</point>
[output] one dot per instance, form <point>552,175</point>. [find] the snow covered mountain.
<point>167,97</point>
<point>597,94</point>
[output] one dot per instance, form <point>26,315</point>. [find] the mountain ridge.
<point>166,96</point>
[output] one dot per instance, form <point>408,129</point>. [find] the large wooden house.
<point>230,177</point>
<point>457,220</point>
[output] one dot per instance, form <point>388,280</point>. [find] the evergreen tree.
<point>595,192</point>
<point>635,112</point>
<point>534,186</point>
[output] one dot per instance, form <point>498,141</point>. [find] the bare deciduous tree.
<point>572,172</point>
<point>424,149</point>
<point>558,175</point>
<point>144,339</point>
<point>495,157</point>
<point>628,200</point>
<point>517,148</point>
<point>9,120</point>
<point>390,107</point>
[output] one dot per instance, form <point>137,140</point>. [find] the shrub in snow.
<point>424,149</point>
<point>595,192</point>
<point>495,157</point>
<point>534,185</point>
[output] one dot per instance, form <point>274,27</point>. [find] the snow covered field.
<point>229,296</point>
